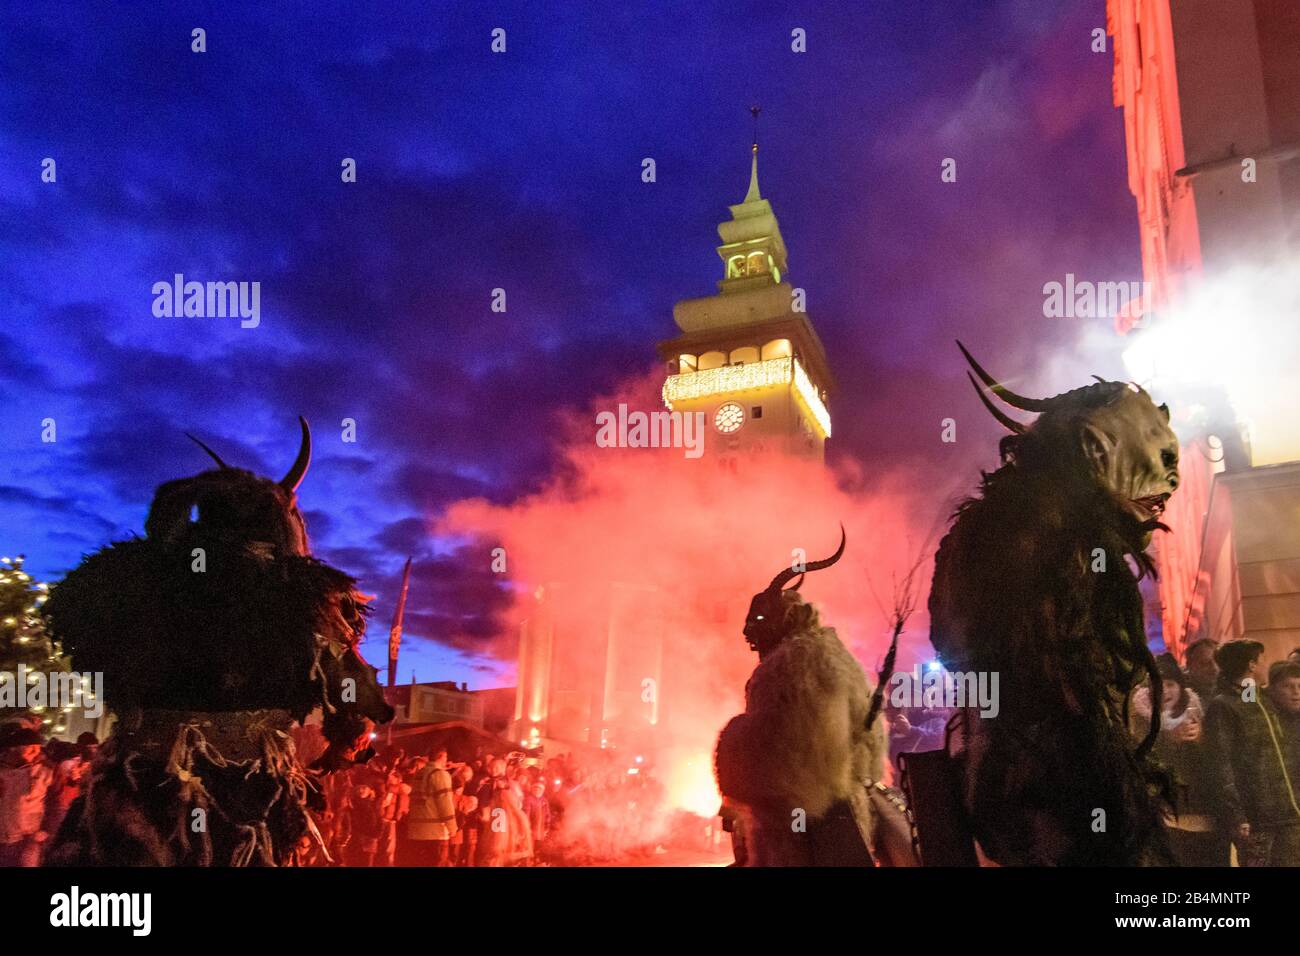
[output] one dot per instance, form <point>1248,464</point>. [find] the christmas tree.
<point>23,641</point>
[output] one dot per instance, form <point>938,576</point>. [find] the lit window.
<point>777,348</point>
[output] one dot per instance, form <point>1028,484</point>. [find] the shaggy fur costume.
<point>1016,591</point>
<point>801,745</point>
<point>207,670</point>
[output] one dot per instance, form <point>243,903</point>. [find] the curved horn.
<point>797,584</point>
<point>215,457</point>
<point>1002,392</point>
<point>298,471</point>
<point>789,573</point>
<point>1007,421</point>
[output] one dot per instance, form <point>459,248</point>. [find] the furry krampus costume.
<point>1033,582</point>
<point>215,633</point>
<point>800,758</point>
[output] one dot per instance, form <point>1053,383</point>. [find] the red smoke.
<point>707,539</point>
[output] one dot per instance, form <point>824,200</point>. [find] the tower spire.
<point>753,194</point>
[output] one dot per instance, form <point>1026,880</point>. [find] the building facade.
<point>748,356</point>
<point>596,662</point>
<point>1210,91</point>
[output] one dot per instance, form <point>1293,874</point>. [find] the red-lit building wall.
<point>1205,84</point>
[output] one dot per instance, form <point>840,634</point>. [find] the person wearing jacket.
<point>1249,737</point>
<point>1194,835</point>
<point>432,821</point>
<point>1279,841</point>
<point>505,838</point>
<point>367,824</point>
<point>464,845</point>
<point>538,810</point>
<point>25,780</point>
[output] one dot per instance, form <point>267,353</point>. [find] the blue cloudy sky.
<point>521,171</point>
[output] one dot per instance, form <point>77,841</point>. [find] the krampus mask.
<point>265,625</point>
<point>235,505</point>
<point>766,624</point>
<point>1111,432</point>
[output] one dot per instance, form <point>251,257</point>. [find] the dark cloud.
<point>519,172</point>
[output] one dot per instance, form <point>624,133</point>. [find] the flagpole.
<point>395,632</point>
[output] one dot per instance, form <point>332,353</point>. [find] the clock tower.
<point>748,356</point>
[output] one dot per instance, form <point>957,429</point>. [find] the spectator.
<point>1248,755</point>
<point>1202,672</point>
<point>309,851</point>
<point>924,729</point>
<point>70,779</point>
<point>1194,837</point>
<point>538,810</point>
<point>406,850</point>
<point>1281,843</point>
<point>24,784</point>
<point>338,818</point>
<point>504,837</point>
<point>432,822</point>
<point>394,805</point>
<point>367,825</point>
<point>465,842</point>
<point>481,788</point>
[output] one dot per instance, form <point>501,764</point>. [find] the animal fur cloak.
<point>799,758</point>
<point>1037,581</point>
<point>215,633</point>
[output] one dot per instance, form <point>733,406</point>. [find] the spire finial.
<point>753,195</point>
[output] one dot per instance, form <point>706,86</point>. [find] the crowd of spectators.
<point>1230,738</point>
<point>427,810</point>
<point>39,781</point>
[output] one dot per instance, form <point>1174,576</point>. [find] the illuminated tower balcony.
<point>729,379</point>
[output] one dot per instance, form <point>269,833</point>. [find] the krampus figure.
<point>796,765</point>
<point>1034,582</point>
<point>215,633</point>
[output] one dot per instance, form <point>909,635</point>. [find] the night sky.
<point>519,171</point>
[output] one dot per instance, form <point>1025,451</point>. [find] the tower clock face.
<point>728,418</point>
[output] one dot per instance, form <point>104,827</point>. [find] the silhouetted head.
<point>767,623</point>
<point>234,505</point>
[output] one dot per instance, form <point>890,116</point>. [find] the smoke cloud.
<point>693,542</point>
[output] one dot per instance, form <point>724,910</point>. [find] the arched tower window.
<point>777,348</point>
<point>712,360</point>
